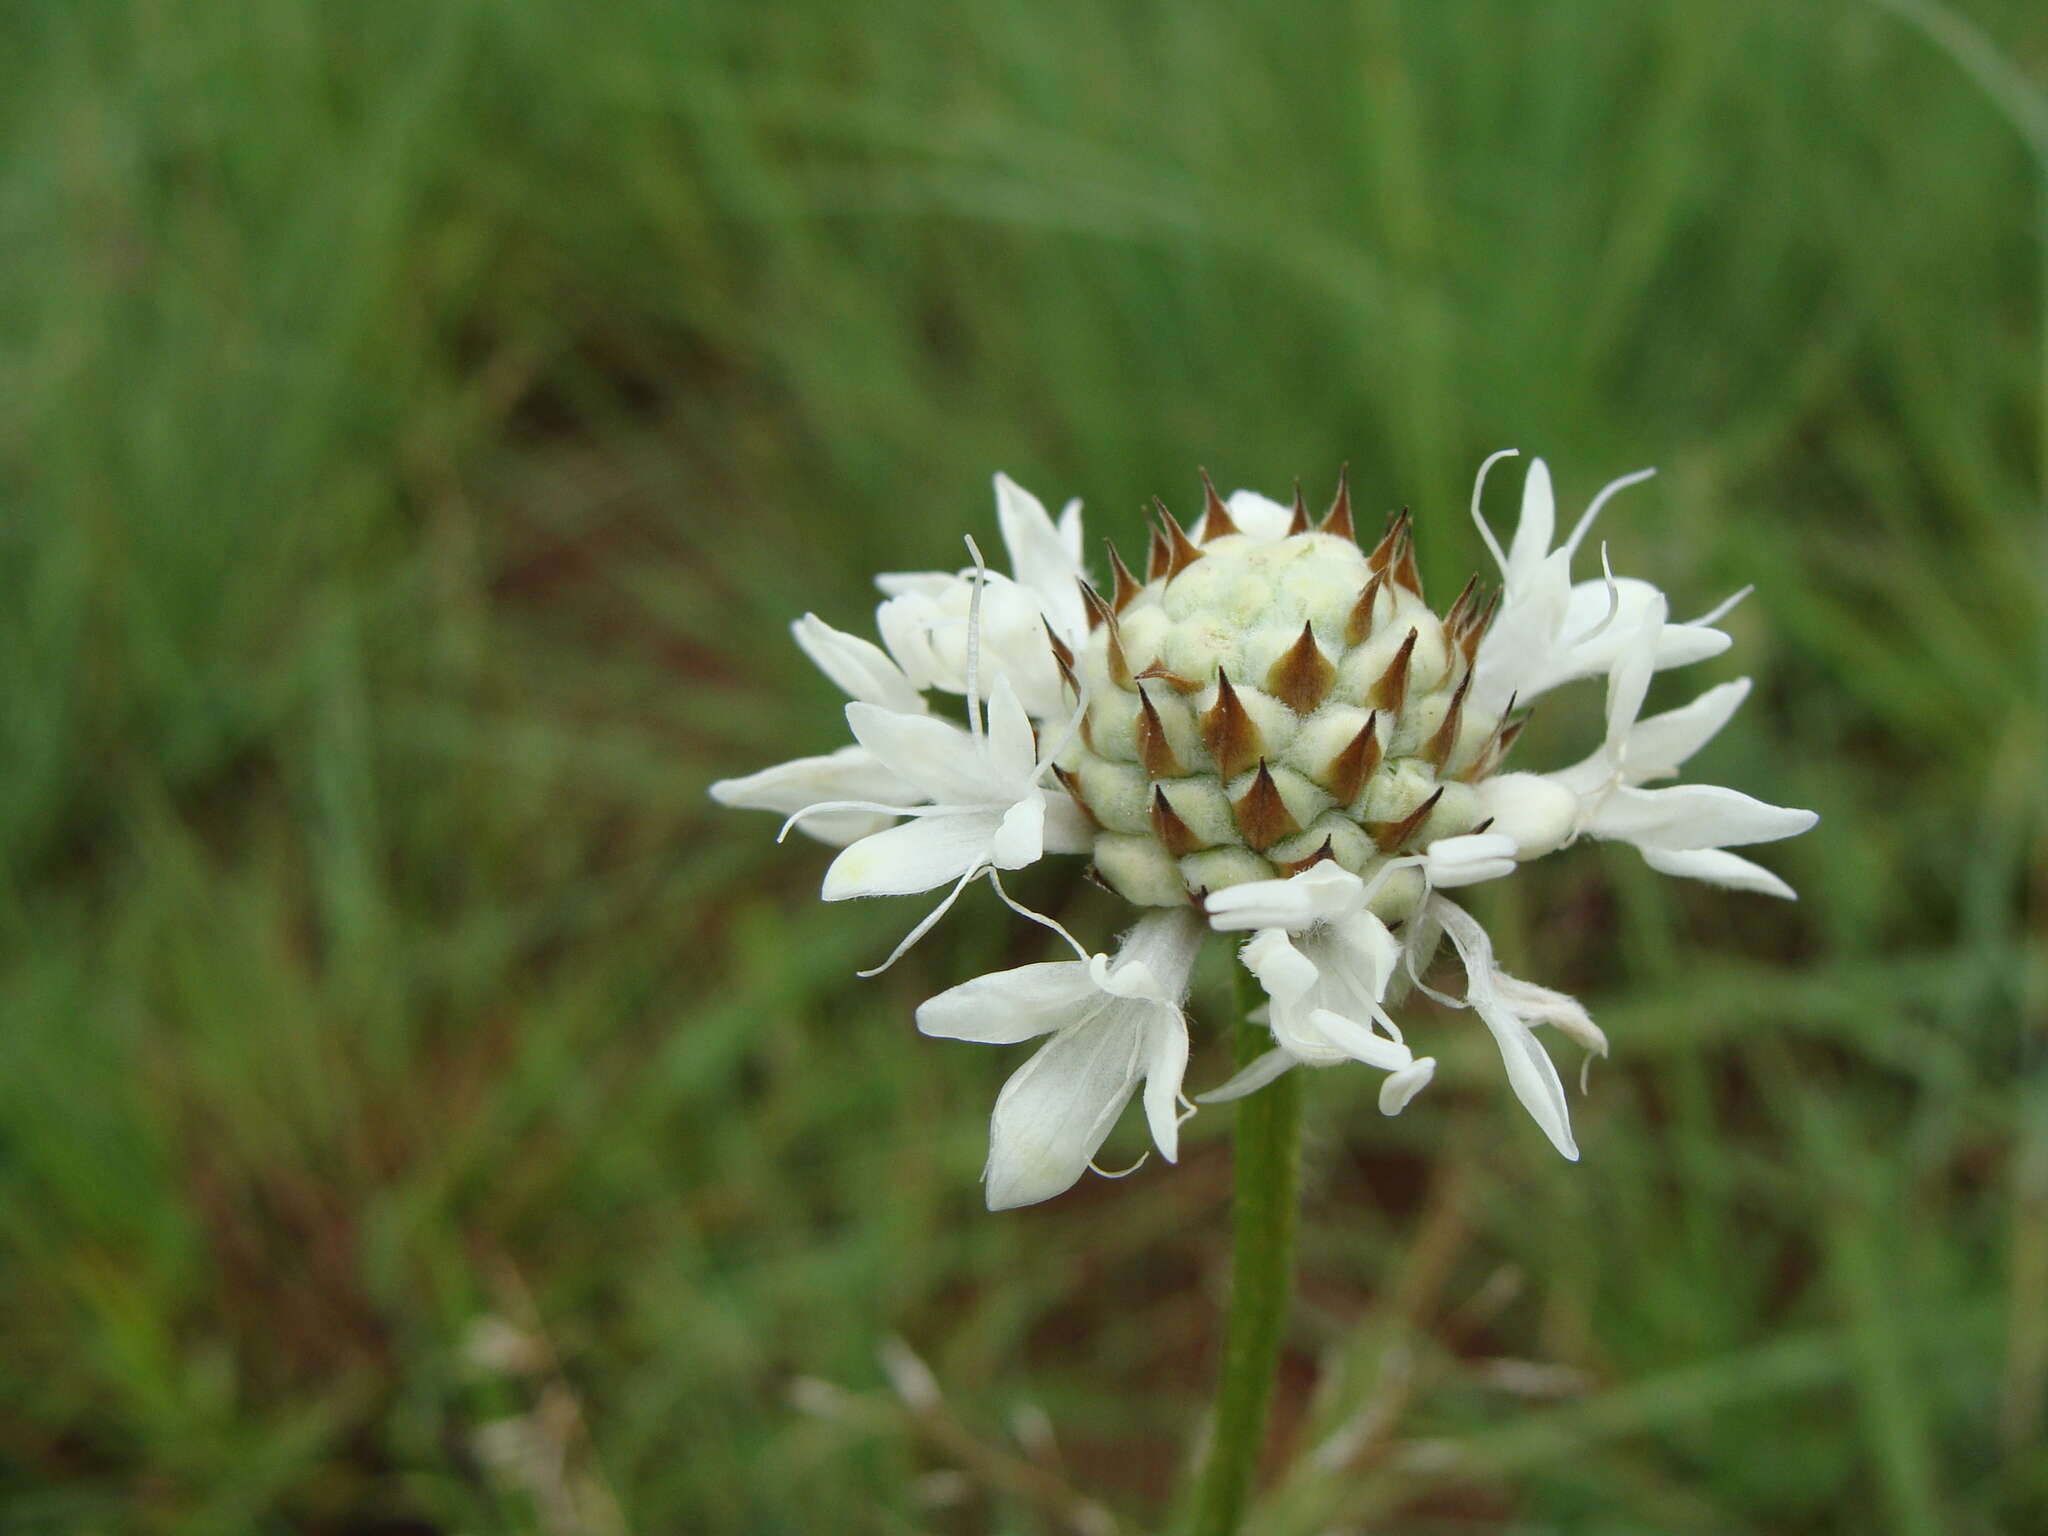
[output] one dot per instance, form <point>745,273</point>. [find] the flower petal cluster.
<point>1273,737</point>
<point>1112,1024</point>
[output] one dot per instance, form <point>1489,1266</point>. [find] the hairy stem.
<point>1268,1159</point>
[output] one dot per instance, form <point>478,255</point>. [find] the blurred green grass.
<point>417,425</point>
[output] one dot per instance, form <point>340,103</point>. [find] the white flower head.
<point>1270,732</point>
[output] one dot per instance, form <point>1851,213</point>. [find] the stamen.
<point>1607,493</point>
<point>1478,486</point>
<point>995,879</point>
<point>974,643</point>
<point>1723,609</point>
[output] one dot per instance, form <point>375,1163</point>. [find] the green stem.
<point>1268,1159</point>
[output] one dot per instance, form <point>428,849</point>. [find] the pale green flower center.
<point>1255,707</point>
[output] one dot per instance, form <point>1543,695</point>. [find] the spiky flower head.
<point>1269,699</point>
<point>1272,732</point>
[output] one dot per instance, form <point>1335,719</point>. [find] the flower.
<point>1325,961</point>
<point>1681,830</point>
<point>1511,1009</point>
<point>1550,631</point>
<point>1270,733</point>
<point>1113,1024</point>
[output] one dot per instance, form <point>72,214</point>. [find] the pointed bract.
<point>1154,750</point>
<point>1299,522</point>
<point>1391,836</point>
<point>1390,692</point>
<point>1181,551</point>
<point>1229,731</point>
<point>1337,521</point>
<point>1349,769</point>
<point>1301,678</point>
<point>1127,585</point>
<point>1216,522</point>
<point>1389,546</point>
<point>1262,816</point>
<point>1359,625</point>
<point>1174,835</point>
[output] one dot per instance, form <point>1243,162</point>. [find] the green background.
<point>421,1111</point>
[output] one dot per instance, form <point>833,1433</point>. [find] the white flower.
<point>852,774</point>
<point>1324,961</point>
<point>1114,1024</point>
<point>1549,631</point>
<point>925,618</point>
<point>1511,1008</point>
<point>861,668</point>
<point>1273,730</point>
<point>986,805</point>
<point>1681,830</point>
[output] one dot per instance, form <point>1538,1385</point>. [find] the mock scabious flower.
<point>1270,735</point>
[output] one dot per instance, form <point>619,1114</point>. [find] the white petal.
<point>904,623</point>
<point>1070,530</point>
<point>916,583</point>
<point>1516,657</point>
<point>1592,644</point>
<point>1659,745</point>
<point>1467,860</point>
<point>1538,524</point>
<point>1008,1006</point>
<point>861,669</point>
<point>1286,974</point>
<point>1540,1005</point>
<point>929,851</point>
<point>1530,1073</point>
<point>1155,958</point>
<point>1250,1079</point>
<point>1533,1078</point>
<point>1683,644</point>
<point>1694,816</point>
<point>1317,894</point>
<point>1718,867</point>
<point>1629,681</point>
<point>928,635</point>
<point>1012,750</point>
<point>1166,1065</point>
<point>1020,836</point>
<point>1057,1109</point>
<point>1067,828</point>
<point>1358,949</point>
<point>1040,559</point>
<point>1533,809</point>
<point>1359,1042</point>
<point>1402,1086</point>
<point>851,773</point>
<point>936,755</point>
